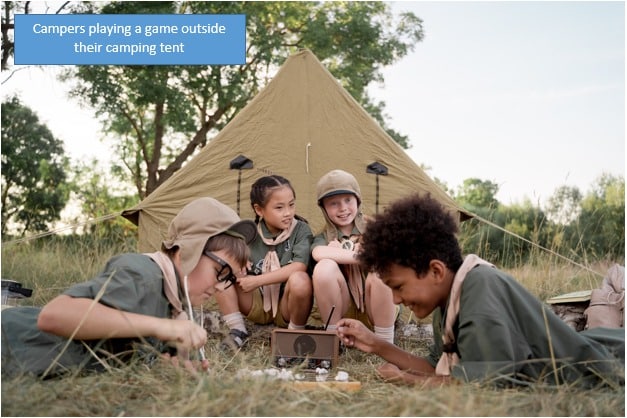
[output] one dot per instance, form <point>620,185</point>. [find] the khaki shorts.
<point>354,313</point>
<point>258,316</point>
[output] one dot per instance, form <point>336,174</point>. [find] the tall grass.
<point>52,265</point>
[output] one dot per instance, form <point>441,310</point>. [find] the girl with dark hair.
<point>277,288</point>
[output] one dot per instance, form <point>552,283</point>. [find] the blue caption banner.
<point>200,39</point>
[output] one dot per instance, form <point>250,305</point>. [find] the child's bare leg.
<point>298,299</point>
<point>227,301</point>
<point>330,289</point>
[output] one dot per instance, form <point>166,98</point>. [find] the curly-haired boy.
<point>487,327</point>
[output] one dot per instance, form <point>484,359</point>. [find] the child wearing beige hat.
<point>140,304</point>
<point>338,280</point>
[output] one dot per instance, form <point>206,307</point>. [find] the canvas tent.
<point>300,126</point>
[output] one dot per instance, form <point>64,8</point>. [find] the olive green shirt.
<point>134,283</point>
<point>297,248</point>
<point>505,335</point>
<point>321,239</point>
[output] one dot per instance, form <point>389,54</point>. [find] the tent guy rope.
<point>477,217</point>
<point>63,228</point>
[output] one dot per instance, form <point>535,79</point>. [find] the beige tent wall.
<point>301,125</point>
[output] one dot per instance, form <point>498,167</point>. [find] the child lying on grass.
<point>487,327</point>
<point>139,304</point>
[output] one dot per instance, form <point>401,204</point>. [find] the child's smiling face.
<point>421,294</point>
<point>279,210</point>
<point>341,208</point>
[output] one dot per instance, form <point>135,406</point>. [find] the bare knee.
<point>299,284</point>
<point>375,284</point>
<point>326,273</point>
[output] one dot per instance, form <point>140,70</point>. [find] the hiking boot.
<point>234,341</point>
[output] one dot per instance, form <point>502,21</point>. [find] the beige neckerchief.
<point>271,262</point>
<point>170,286</point>
<point>450,359</point>
<point>353,276</point>
<point>353,271</point>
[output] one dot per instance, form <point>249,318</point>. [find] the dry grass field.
<point>230,387</point>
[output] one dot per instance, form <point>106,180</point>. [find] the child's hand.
<point>247,283</point>
<point>185,334</point>
<point>354,334</point>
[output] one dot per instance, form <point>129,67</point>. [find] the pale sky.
<point>529,95</point>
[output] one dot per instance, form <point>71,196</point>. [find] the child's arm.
<point>404,368</point>
<point>335,253</point>
<point>391,373</point>
<point>64,314</point>
<point>250,283</point>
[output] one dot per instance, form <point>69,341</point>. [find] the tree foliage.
<point>10,8</point>
<point>590,227</point>
<point>99,199</point>
<point>599,230</point>
<point>33,171</point>
<point>564,205</point>
<point>161,115</point>
<point>477,193</point>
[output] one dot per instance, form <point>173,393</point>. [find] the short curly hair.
<point>410,233</point>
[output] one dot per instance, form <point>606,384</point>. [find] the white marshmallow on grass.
<point>341,376</point>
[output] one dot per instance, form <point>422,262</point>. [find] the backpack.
<point>607,304</point>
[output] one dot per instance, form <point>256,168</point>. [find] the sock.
<point>293,326</point>
<point>386,333</point>
<point>235,321</point>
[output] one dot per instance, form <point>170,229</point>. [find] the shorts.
<point>354,313</point>
<point>258,316</point>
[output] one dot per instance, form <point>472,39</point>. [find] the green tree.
<point>521,220</point>
<point>24,7</point>
<point>564,205</point>
<point>475,193</point>
<point>499,239</point>
<point>161,115</point>
<point>34,189</point>
<point>101,199</point>
<point>599,230</point>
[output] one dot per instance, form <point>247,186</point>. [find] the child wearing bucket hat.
<point>277,289</point>
<point>139,305</point>
<point>338,280</point>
